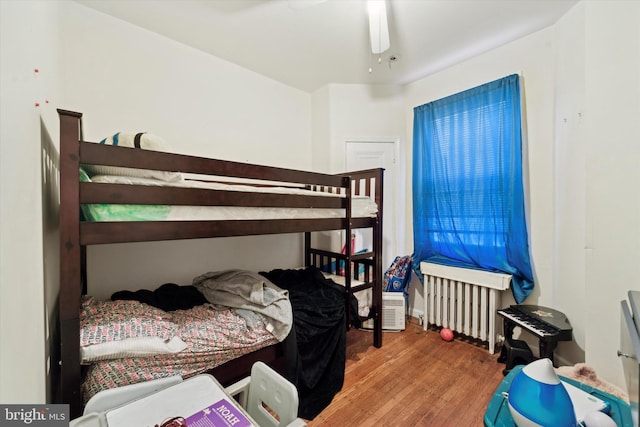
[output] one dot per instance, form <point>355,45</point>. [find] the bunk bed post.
<point>70,262</point>
<point>377,243</point>
<point>307,249</point>
<point>348,249</point>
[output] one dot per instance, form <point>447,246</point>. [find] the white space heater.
<point>463,300</point>
<point>393,312</point>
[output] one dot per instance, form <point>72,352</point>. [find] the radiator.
<point>463,300</point>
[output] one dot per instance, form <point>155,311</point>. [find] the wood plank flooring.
<point>415,379</point>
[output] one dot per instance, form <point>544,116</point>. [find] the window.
<point>468,195</point>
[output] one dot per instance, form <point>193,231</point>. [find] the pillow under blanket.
<point>119,329</point>
<point>141,140</point>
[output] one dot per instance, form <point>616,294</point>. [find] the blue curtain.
<point>468,196</point>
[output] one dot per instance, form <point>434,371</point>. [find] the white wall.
<point>28,41</point>
<point>321,129</point>
<point>124,78</point>
<point>570,176</point>
<point>612,76</point>
<point>362,111</point>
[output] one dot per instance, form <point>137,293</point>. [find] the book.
<point>223,413</point>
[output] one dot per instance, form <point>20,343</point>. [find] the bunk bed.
<point>331,193</point>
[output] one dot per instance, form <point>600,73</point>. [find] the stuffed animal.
<point>586,374</point>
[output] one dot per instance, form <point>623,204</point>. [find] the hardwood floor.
<point>415,379</point>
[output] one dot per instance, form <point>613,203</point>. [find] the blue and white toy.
<point>537,398</point>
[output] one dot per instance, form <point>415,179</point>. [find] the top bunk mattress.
<point>361,206</point>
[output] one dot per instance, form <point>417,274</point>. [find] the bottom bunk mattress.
<point>126,342</point>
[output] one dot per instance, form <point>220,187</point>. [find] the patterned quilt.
<point>212,337</point>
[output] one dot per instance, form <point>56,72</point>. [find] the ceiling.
<point>308,44</point>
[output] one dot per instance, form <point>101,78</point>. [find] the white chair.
<point>114,397</point>
<point>95,410</point>
<point>265,388</point>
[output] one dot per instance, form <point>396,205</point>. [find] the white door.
<point>369,154</point>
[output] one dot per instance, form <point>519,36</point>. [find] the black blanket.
<point>319,318</point>
<point>168,297</point>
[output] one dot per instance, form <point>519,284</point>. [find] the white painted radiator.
<point>463,300</point>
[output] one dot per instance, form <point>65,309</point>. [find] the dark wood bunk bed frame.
<point>76,234</point>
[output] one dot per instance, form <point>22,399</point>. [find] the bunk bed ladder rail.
<point>372,180</point>
<point>367,183</point>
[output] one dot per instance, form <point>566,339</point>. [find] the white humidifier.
<point>537,398</point>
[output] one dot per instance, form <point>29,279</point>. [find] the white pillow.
<point>131,347</point>
<point>145,141</point>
